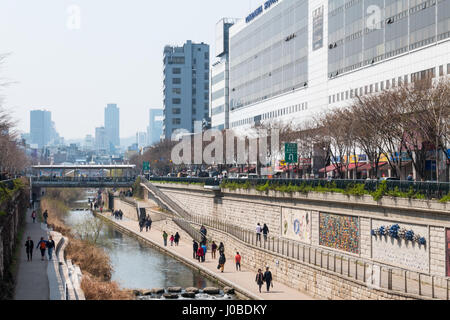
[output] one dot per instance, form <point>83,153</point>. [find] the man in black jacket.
<point>194,248</point>
<point>268,278</point>
<point>29,245</point>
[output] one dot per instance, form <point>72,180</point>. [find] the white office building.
<point>290,59</point>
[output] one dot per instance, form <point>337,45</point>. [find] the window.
<point>393,83</point>
<point>338,96</point>
<point>206,86</point>
<point>206,76</point>
<point>342,96</point>
<point>388,85</point>
<point>194,91</point>
<point>448,68</point>
<point>206,66</point>
<point>176,100</point>
<point>176,81</point>
<point>351,93</point>
<point>176,121</point>
<point>405,79</point>
<point>441,71</point>
<point>382,85</point>
<point>376,87</point>
<point>194,111</point>
<point>194,81</point>
<point>176,90</point>
<point>206,96</point>
<point>176,70</point>
<point>361,91</point>
<point>194,102</point>
<point>206,55</point>
<point>206,105</point>
<point>334,98</point>
<point>365,90</point>
<point>176,111</point>
<point>371,88</point>
<point>346,95</point>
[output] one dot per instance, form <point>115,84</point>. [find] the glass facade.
<point>362,32</point>
<point>269,56</point>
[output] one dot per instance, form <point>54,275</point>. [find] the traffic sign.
<point>146,166</point>
<point>291,152</point>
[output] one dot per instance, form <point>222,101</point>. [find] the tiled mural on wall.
<point>339,232</point>
<point>296,224</point>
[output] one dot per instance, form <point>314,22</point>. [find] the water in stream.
<point>139,266</point>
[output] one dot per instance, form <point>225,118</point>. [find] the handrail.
<point>389,278</point>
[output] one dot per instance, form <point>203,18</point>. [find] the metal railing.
<point>430,190</point>
<point>369,273</point>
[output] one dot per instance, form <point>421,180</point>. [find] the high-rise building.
<point>292,59</point>
<point>220,76</point>
<point>186,87</point>
<point>101,140</point>
<point>155,127</point>
<point>112,124</point>
<point>89,142</point>
<point>40,127</point>
<point>141,139</point>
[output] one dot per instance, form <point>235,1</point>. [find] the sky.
<point>74,57</point>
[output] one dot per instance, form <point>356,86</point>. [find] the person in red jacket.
<point>200,254</point>
<point>238,258</point>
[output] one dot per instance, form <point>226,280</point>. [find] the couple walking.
<point>43,245</point>
<point>264,277</point>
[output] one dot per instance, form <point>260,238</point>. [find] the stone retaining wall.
<point>129,211</point>
<point>246,208</point>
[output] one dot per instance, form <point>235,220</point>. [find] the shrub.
<point>95,289</point>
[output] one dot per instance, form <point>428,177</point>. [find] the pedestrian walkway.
<point>32,279</point>
<point>244,279</point>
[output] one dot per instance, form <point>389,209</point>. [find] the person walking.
<point>165,235</point>
<point>268,279</point>
<point>177,239</point>
<point>148,224</point>
<point>141,225</point>
<point>205,249</point>
<point>237,259</point>
<point>221,248</point>
<point>200,254</point>
<point>258,233</point>
<point>172,238</point>
<point>194,248</point>
<point>203,232</point>
<point>265,231</point>
<point>45,215</point>
<point>29,245</point>
<point>42,245</point>
<point>259,279</point>
<point>213,250</point>
<point>222,261</point>
<point>33,216</point>
<point>50,247</point>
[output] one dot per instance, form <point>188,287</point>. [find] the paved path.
<point>244,279</point>
<point>32,280</point>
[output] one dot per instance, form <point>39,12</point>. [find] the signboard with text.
<point>291,152</point>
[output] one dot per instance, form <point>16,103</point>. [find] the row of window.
<point>385,85</point>
<point>272,114</point>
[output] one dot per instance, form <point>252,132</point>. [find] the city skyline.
<point>114,56</point>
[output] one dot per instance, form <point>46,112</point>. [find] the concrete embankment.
<point>243,282</point>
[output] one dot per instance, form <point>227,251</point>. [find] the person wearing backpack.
<point>42,245</point>
<point>29,245</point>
<point>50,247</point>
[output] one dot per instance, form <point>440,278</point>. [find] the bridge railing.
<point>82,179</point>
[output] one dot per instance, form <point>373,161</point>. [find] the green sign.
<point>146,166</point>
<point>291,152</point>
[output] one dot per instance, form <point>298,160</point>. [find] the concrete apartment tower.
<point>154,129</point>
<point>186,87</point>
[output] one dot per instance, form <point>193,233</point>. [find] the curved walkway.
<point>244,280</point>
<point>32,278</point>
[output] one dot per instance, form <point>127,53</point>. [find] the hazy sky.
<point>114,57</point>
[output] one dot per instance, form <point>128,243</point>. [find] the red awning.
<point>234,170</point>
<point>369,166</point>
<point>329,168</point>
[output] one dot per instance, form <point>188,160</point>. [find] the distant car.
<point>389,179</point>
<point>203,174</point>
